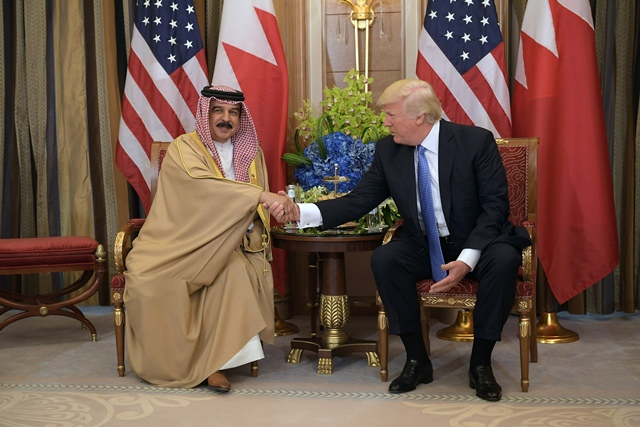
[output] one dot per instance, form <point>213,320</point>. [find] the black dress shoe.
<point>413,373</point>
<point>482,380</point>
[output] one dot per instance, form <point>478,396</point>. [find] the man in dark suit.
<point>470,204</point>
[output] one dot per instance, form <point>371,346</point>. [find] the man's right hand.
<point>280,206</point>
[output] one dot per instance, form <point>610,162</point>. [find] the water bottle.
<point>291,192</point>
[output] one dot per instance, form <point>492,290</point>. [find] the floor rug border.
<point>409,397</point>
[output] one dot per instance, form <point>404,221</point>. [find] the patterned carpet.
<point>51,374</point>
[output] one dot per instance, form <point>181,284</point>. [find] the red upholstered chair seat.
<point>469,288</point>
<point>48,255</point>
<point>117,283</point>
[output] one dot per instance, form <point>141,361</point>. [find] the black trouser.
<point>399,264</point>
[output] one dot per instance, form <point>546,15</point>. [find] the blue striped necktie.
<point>429,216</point>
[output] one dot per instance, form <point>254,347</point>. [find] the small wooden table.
<point>334,303</point>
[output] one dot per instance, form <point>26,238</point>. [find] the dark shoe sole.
<point>426,381</point>
<point>487,398</point>
<point>221,390</point>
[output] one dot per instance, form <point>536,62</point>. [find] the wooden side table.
<point>334,303</point>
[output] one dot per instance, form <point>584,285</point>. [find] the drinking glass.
<point>374,220</point>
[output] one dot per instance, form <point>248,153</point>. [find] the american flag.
<point>461,54</point>
<point>167,70</point>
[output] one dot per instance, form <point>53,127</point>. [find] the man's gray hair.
<point>418,96</point>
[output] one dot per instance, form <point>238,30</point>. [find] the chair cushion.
<point>117,283</point>
<point>136,222</point>
<point>16,254</point>
<point>466,287</point>
<point>469,288</point>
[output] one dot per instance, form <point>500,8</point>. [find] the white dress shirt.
<point>225,152</point>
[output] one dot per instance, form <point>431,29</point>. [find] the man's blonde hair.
<point>418,96</point>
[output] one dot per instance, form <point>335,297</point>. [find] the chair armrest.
<point>122,245</point>
<point>392,231</point>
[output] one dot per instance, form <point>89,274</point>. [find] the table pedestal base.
<point>326,353</point>
<point>333,301</point>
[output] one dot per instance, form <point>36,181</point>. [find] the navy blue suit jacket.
<point>473,188</point>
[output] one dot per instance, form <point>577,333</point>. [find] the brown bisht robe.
<point>199,286</point>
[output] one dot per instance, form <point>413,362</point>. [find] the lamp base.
<point>283,327</point>
<point>550,331</point>
<point>461,330</point>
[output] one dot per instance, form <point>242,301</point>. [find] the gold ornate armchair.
<point>122,248</point>
<point>519,156</point>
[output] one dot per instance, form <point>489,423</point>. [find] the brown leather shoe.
<point>219,382</point>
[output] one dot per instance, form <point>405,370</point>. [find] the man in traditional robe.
<point>199,292</point>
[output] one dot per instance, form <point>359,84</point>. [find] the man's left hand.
<point>457,270</point>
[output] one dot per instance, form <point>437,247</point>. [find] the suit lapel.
<point>446,155</point>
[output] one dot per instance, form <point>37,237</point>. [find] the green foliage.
<point>346,110</point>
<point>312,195</point>
<point>389,212</point>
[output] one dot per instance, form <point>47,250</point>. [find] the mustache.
<point>224,124</point>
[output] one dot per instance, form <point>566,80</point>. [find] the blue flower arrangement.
<point>343,134</point>
<point>352,156</point>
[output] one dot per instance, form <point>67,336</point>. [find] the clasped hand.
<point>280,206</point>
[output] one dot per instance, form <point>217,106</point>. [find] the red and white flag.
<point>167,70</point>
<point>251,58</point>
<point>461,54</point>
<point>557,98</point>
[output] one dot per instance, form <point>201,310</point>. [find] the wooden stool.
<point>49,255</point>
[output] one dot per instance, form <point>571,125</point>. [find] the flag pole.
<point>548,329</point>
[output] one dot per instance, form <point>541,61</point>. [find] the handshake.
<point>280,206</point>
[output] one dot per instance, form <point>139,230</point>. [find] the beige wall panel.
<point>291,15</point>
<point>385,44</point>
<point>385,53</point>
<point>340,54</point>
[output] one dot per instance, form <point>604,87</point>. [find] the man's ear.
<point>420,119</point>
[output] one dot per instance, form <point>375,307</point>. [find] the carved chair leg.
<point>118,321</point>
<point>383,331</point>
<point>524,334</point>
<point>534,332</point>
<point>254,368</point>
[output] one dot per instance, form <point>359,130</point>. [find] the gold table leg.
<point>294,355</point>
<point>373,359</point>
<point>325,365</point>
